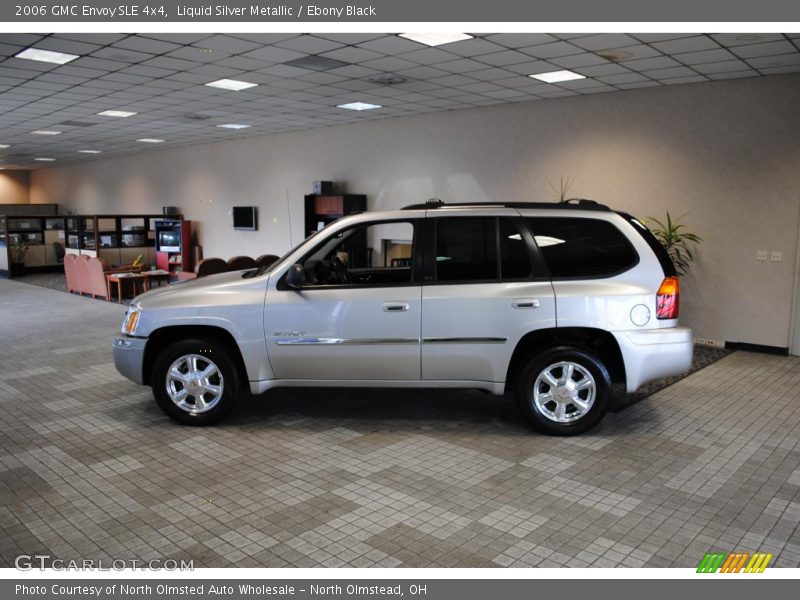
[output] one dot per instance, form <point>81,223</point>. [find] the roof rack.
<point>571,204</point>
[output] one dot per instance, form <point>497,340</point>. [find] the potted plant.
<point>16,255</point>
<point>677,242</point>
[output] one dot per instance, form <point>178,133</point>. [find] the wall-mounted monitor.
<point>244,217</point>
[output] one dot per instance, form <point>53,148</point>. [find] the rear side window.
<point>466,249</point>
<point>515,260</point>
<point>581,247</point>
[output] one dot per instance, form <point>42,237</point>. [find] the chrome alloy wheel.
<point>194,383</point>
<point>564,392</point>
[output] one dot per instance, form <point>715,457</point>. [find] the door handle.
<point>395,306</point>
<point>525,303</point>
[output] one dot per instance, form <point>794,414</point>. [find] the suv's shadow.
<point>386,409</point>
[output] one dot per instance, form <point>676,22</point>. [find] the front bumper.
<point>653,353</point>
<point>129,357</point>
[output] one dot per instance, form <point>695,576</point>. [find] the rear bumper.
<point>654,353</point>
<point>129,357</point>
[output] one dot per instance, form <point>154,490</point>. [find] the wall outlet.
<point>700,341</point>
<point>761,255</point>
<point>776,256</point>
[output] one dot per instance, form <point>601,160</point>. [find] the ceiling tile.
<point>604,41</point>
<point>227,44</point>
<point>705,56</point>
<point>688,44</point>
<point>273,54</point>
<point>551,50</point>
<point>744,39</point>
<point>765,49</point>
<point>520,40</point>
<point>141,44</point>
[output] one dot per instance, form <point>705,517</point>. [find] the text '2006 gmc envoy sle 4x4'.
<point>556,302</point>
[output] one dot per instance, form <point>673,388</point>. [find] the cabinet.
<point>320,210</point>
<point>174,245</point>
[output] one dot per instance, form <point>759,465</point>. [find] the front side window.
<point>369,254</point>
<point>582,247</point>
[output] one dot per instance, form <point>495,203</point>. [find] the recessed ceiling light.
<point>90,151</point>
<point>116,113</point>
<point>5,146</point>
<point>45,159</point>
<point>48,56</point>
<point>615,55</point>
<point>234,126</point>
<point>387,79</point>
<point>231,84</point>
<point>150,140</point>
<point>358,106</point>
<point>557,76</point>
<point>436,39</point>
<point>45,132</point>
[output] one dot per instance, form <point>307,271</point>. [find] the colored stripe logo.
<point>735,562</point>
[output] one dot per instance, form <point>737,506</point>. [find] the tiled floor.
<point>89,467</point>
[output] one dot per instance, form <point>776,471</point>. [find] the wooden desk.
<point>118,278</point>
<point>148,277</point>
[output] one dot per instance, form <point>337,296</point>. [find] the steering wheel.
<point>341,270</point>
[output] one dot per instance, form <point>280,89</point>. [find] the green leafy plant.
<point>676,242</point>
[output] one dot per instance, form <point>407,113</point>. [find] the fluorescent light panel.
<point>46,132</point>
<point>45,159</point>
<point>90,151</point>
<point>233,126</point>
<point>5,145</point>
<point>358,106</point>
<point>233,85</point>
<point>48,56</point>
<point>150,140</point>
<point>436,39</point>
<point>557,76</point>
<point>116,113</point>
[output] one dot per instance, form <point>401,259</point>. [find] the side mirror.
<point>296,276</point>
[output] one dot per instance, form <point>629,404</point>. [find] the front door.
<point>358,315</point>
<point>484,289</point>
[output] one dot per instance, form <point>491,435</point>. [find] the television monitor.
<point>169,241</point>
<point>244,217</point>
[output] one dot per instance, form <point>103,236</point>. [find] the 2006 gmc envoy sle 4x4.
<point>553,301</point>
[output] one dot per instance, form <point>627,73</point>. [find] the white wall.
<point>14,187</point>
<point>726,153</point>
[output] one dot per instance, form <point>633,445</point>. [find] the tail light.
<point>667,299</point>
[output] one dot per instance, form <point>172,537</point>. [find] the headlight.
<point>131,321</point>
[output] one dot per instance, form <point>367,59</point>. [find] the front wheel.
<point>564,391</point>
<point>195,382</point>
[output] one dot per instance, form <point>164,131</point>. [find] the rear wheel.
<point>564,391</point>
<point>195,382</point>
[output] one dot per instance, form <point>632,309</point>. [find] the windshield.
<point>268,268</point>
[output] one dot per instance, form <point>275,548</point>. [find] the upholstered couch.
<point>87,275</point>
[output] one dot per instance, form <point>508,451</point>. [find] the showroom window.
<point>376,254</point>
<point>579,247</point>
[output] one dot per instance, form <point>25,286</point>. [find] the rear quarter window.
<point>582,247</point>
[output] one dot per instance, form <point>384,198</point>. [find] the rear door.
<point>484,288</point>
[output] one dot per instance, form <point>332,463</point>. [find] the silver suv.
<point>556,302</point>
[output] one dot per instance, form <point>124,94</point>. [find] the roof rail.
<point>571,204</point>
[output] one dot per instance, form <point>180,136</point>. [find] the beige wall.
<point>14,187</point>
<point>726,153</point>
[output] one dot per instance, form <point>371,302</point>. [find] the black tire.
<point>194,410</point>
<point>579,413</point>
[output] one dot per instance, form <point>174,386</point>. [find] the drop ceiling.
<point>302,79</point>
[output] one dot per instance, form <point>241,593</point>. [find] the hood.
<point>211,290</point>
